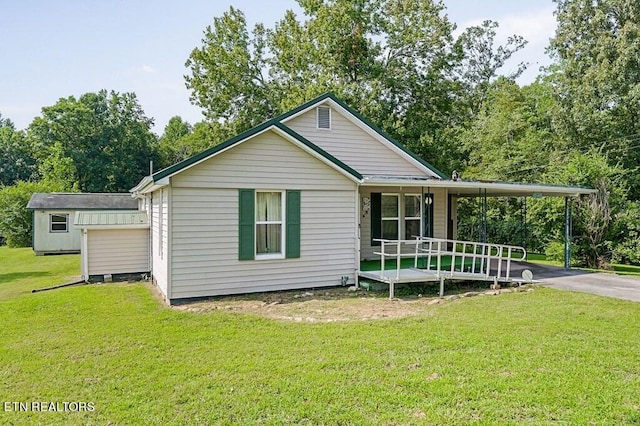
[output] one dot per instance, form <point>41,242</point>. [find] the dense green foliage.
<point>537,357</point>
<point>400,64</point>
<point>16,221</point>
<point>105,135</point>
<point>16,154</point>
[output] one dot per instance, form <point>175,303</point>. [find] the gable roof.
<point>400,148</point>
<point>81,201</point>
<point>267,125</point>
<point>278,125</point>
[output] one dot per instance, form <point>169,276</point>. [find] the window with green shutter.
<point>376,218</point>
<point>246,243</point>
<point>269,224</point>
<point>293,225</point>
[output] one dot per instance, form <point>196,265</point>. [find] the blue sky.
<point>55,49</point>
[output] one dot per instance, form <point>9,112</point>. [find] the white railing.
<point>482,256</point>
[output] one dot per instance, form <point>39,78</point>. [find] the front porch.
<point>408,226</point>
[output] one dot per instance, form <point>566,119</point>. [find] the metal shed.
<point>113,243</point>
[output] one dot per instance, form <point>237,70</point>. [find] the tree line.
<point>401,65</point>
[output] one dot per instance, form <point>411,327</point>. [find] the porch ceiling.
<point>465,188</point>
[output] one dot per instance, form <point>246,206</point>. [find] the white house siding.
<point>118,251</point>
<point>205,222</point>
<point>160,236</point>
<point>352,145</point>
<point>439,215</point>
<point>54,242</point>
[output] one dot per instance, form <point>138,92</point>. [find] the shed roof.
<point>109,219</point>
<point>82,201</point>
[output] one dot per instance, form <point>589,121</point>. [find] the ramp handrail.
<point>481,255</point>
<point>477,252</point>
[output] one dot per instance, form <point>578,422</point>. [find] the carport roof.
<point>468,188</point>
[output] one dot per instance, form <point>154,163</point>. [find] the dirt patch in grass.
<point>333,304</point>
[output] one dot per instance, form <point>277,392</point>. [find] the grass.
<point>536,357</point>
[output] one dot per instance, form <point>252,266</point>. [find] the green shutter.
<point>246,242</point>
<point>376,217</point>
<point>292,246</point>
<point>428,215</point>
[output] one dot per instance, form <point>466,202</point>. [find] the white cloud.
<point>146,69</point>
<point>536,27</point>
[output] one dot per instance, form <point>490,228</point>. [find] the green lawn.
<point>537,357</point>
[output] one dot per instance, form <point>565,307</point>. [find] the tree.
<point>57,170</point>
<point>228,78</point>
<point>106,136</point>
<point>17,160</point>
<point>595,217</point>
<point>395,59</point>
<point>511,138</point>
<point>482,59</point>
<point>170,148</point>
<point>598,79</point>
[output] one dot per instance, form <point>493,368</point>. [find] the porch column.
<point>482,231</point>
<point>567,233</point>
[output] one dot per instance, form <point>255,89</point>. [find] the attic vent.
<point>324,117</point>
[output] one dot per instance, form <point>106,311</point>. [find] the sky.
<point>56,49</point>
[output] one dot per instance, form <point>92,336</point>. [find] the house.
<point>54,231</point>
<point>297,202</point>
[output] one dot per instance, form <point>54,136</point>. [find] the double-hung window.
<point>269,229</point>
<point>268,224</point>
<point>59,223</point>
<point>412,216</point>
<point>390,216</point>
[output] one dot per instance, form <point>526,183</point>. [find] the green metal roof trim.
<point>378,130</point>
<point>247,134</point>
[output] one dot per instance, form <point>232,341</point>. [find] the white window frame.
<point>413,218</point>
<point>318,117</point>
<point>66,223</point>
<point>397,218</point>
<point>281,222</point>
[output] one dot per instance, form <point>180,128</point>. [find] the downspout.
<point>150,212</point>
<point>85,255</point>
<point>357,235</point>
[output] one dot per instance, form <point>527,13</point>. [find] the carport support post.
<point>482,226</point>
<point>567,233</point>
